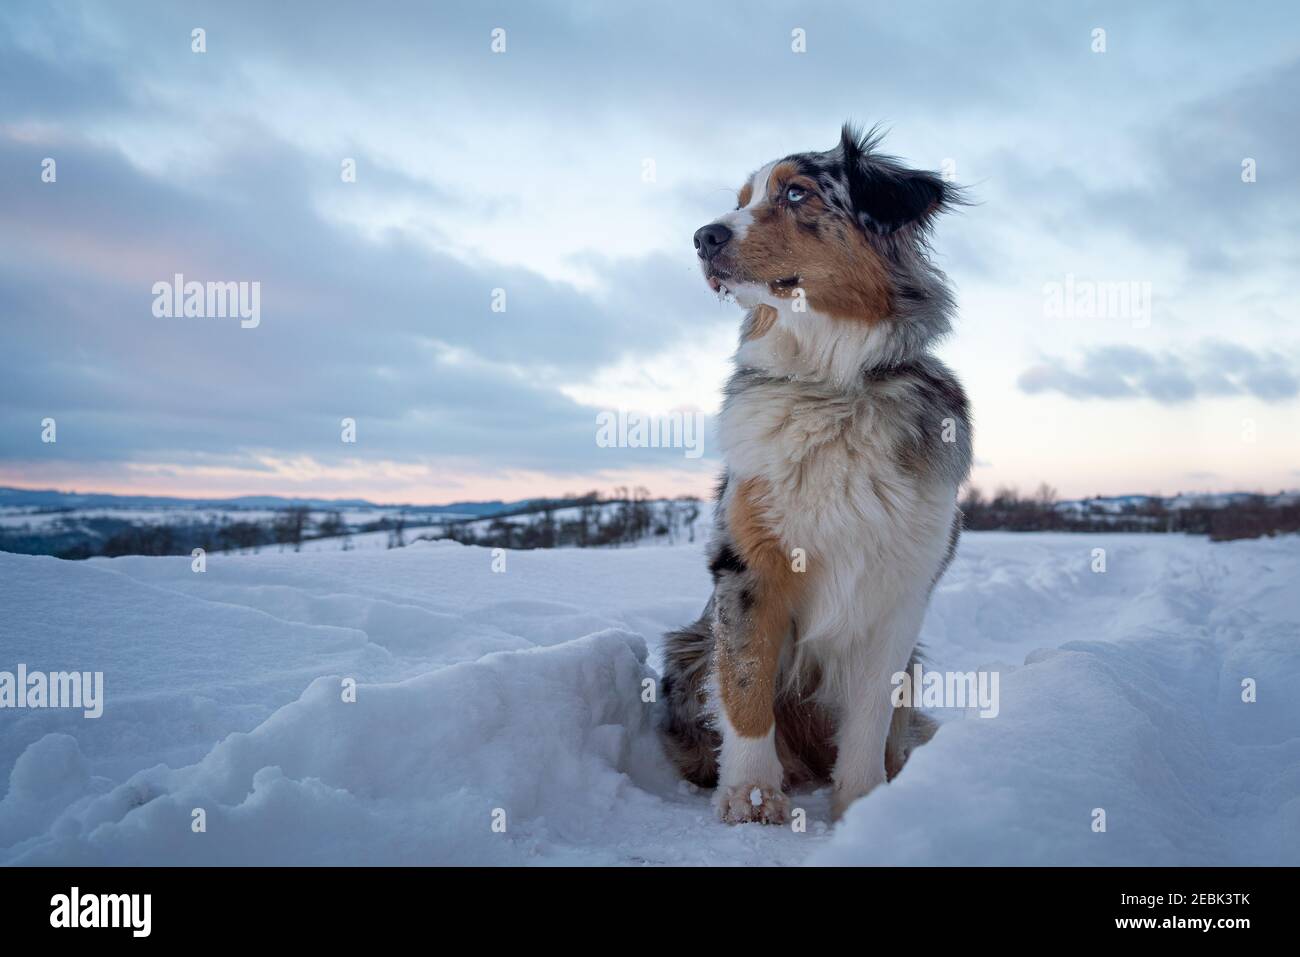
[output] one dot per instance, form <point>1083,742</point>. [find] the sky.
<point>513,256</point>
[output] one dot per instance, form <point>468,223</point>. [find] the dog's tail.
<point>909,728</point>
<point>685,723</point>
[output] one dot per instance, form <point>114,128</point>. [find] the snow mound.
<point>541,741</point>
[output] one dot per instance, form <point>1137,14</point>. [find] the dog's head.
<point>844,229</point>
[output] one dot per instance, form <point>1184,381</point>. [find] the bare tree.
<point>396,537</point>
<point>690,512</point>
<point>331,525</point>
<point>289,525</point>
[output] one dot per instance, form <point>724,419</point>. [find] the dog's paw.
<point>843,796</point>
<point>741,804</point>
<point>840,802</point>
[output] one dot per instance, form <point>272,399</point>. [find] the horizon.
<point>605,496</point>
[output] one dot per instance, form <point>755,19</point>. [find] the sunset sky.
<point>570,171</point>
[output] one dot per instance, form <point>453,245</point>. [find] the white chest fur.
<point>873,530</point>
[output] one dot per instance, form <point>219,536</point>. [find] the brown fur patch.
<point>747,666</point>
<point>745,195</point>
<point>839,271</point>
<point>781,174</point>
<point>760,322</point>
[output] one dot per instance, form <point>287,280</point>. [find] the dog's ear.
<point>887,196</point>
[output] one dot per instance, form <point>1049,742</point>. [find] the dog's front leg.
<point>867,710</point>
<point>753,606</point>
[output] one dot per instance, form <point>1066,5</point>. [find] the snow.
<point>499,717</point>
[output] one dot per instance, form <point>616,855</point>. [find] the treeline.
<point>88,537</point>
<point>290,526</point>
<point>627,516</point>
<point>1250,516</point>
<point>85,537</point>
<point>590,520</point>
<point>585,521</point>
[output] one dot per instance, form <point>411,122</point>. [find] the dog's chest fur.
<point>853,481</point>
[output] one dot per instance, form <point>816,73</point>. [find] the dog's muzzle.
<point>710,239</point>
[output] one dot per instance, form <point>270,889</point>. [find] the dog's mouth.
<point>724,282</point>
<point>721,281</point>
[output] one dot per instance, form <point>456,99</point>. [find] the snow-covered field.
<point>516,696</point>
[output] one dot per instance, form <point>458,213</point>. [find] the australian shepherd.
<point>845,442</point>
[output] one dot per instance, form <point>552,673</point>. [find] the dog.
<point>845,443</point>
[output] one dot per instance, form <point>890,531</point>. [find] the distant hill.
<point>52,498</point>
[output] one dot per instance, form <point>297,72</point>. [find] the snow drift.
<point>416,707</point>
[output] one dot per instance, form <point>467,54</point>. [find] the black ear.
<point>886,195</point>
<point>852,143</point>
<point>887,200</point>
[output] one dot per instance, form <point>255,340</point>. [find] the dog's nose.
<point>709,239</point>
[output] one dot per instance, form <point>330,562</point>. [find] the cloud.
<point>389,331</point>
<point>1125,372</point>
<point>1179,185</point>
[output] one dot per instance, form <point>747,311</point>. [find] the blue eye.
<point>794,194</point>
